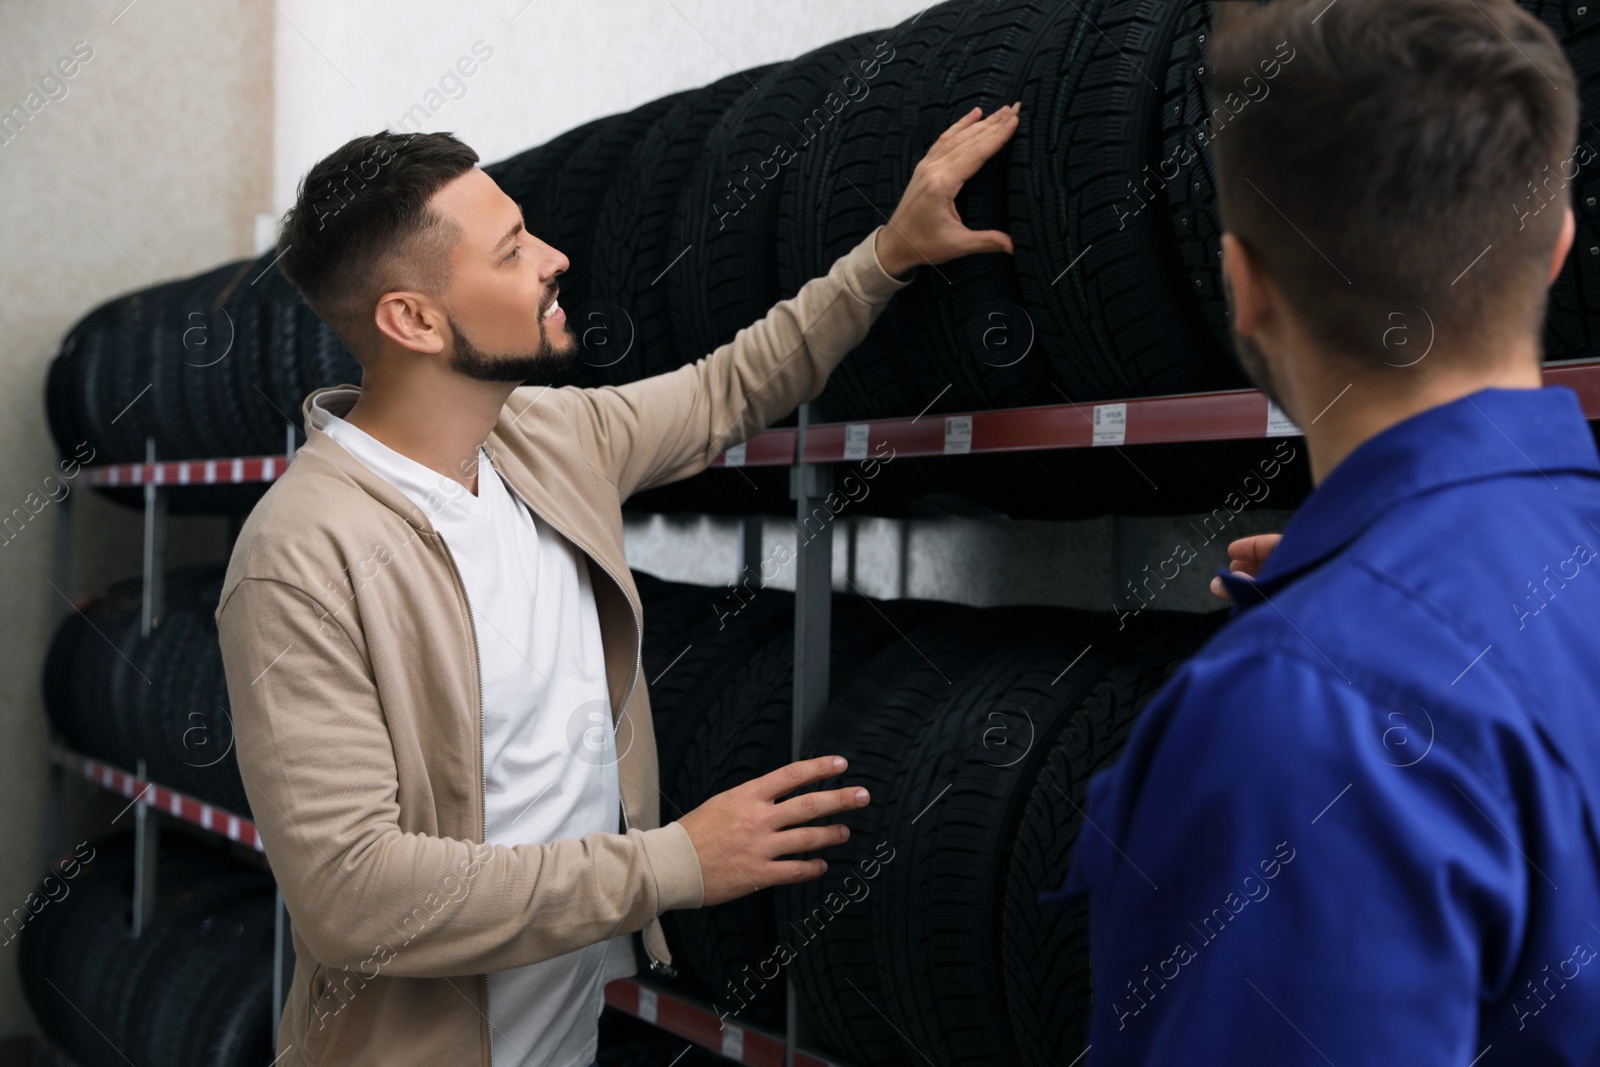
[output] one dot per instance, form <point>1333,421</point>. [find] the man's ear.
<point>1558,258</point>
<point>1243,273</point>
<point>405,318</point>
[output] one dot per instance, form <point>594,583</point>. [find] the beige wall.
<point>150,166</point>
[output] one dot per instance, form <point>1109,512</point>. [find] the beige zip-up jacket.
<point>353,677</point>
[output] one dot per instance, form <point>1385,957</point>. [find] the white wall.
<point>343,70</point>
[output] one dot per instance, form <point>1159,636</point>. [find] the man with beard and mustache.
<point>431,634</point>
<point>1362,824</point>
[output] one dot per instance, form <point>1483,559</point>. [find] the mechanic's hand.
<point>740,834</point>
<point>1247,555</point>
<point>925,226</point>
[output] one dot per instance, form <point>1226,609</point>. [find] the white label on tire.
<point>734,457</point>
<point>733,1043</point>
<point>1110,424</point>
<point>647,1005</point>
<point>855,440</point>
<point>1279,424</point>
<point>957,434</point>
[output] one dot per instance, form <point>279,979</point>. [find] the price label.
<point>957,434</point>
<point>1110,424</point>
<point>647,1004</point>
<point>855,440</point>
<point>733,1043</point>
<point>1279,424</point>
<point>734,457</point>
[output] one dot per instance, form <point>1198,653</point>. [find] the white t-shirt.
<point>549,752</point>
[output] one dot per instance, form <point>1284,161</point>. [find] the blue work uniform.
<point>1362,824</point>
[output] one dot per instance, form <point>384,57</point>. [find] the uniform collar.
<point>1491,433</point>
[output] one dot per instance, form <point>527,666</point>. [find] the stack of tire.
<point>975,730</point>
<point>685,219</point>
<point>740,192</point>
<point>194,988</point>
<point>163,698</point>
<point>211,366</point>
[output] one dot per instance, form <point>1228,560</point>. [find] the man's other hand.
<point>739,834</point>
<point>1247,555</point>
<point>925,226</point>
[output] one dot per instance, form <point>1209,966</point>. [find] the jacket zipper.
<point>483,754</point>
<point>659,966</point>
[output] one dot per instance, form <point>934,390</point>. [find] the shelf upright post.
<point>152,596</point>
<point>750,551</point>
<point>146,856</point>
<point>809,485</point>
<point>146,835</point>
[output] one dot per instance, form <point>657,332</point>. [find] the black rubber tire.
<point>727,211</point>
<point>832,199</point>
<point>962,325</point>
<point>56,945</point>
<point>39,941</point>
<point>86,697</point>
<point>138,969</point>
<point>1189,198</point>
<point>671,610</point>
<point>93,965</point>
<point>632,246</point>
<point>743,734</point>
<point>955,807</point>
<point>213,1004</point>
<point>1110,323</point>
<point>873,722</point>
<point>1045,947</point>
<point>705,660</point>
<point>66,646</point>
<point>579,187</point>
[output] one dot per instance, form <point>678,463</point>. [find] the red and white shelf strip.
<point>1194,417</point>
<point>178,805</point>
<point>240,471</point>
<point>695,1022</point>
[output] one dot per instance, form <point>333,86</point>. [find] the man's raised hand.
<point>925,226</point>
<point>739,834</point>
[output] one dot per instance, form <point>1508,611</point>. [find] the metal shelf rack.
<point>809,450</point>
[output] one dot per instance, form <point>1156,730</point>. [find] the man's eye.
<point>512,254</point>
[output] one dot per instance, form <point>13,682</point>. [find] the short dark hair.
<point>1396,142</point>
<point>361,227</point>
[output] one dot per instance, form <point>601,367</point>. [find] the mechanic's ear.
<point>1563,245</point>
<point>1242,272</point>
